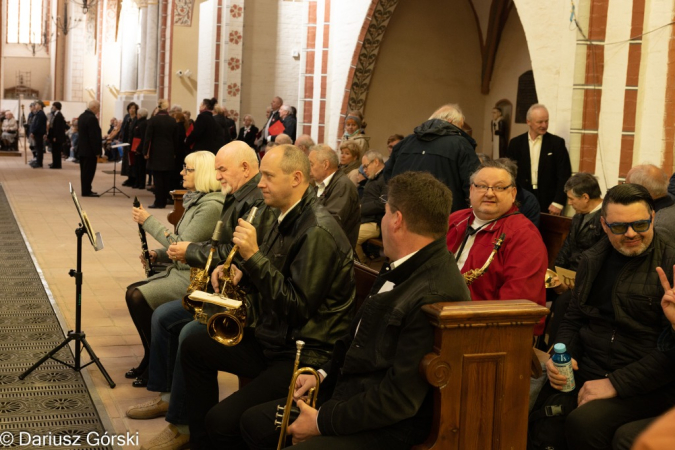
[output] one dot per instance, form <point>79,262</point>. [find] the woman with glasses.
<point>203,203</point>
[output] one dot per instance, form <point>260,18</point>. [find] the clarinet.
<point>147,265</point>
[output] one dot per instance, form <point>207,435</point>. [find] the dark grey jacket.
<point>372,207</point>
<point>341,199</point>
<point>443,150</point>
<point>625,349</point>
<point>581,238</point>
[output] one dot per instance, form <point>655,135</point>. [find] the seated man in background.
<point>372,394</point>
<point>655,181</point>
<point>300,287</point>
<point>334,190</point>
<point>584,195</point>
<point>518,269</point>
<point>372,206</point>
<point>611,331</point>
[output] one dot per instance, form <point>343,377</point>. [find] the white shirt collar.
<point>324,184</point>
<point>400,261</point>
<point>282,215</point>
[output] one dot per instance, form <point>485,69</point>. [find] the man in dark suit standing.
<point>289,121</point>
<point>543,162</point>
<point>38,129</point>
<point>57,135</point>
<point>89,146</point>
<point>272,119</point>
<point>159,149</point>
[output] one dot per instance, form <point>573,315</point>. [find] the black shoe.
<point>153,206</point>
<point>139,383</point>
<point>36,166</point>
<point>127,183</point>
<point>52,166</point>
<point>133,373</point>
<point>91,194</point>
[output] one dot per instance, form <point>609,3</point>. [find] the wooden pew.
<point>177,212</point>
<point>480,370</point>
<point>554,231</point>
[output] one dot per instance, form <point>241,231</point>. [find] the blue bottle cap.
<point>559,348</point>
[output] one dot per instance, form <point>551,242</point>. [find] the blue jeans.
<point>171,324</point>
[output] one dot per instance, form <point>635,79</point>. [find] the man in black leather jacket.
<point>372,394</point>
<point>613,324</point>
<point>301,287</point>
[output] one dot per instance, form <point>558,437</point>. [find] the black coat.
<point>275,119</point>
<point>249,137</point>
<point>224,123</point>
<point>303,277</point>
<point>89,140</point>
<point>443,150</point>
<point>38,126</point>
<point>374,374</point>
<point>624,349</point>
<point>554,168</point>
<point>206,134</point>
<point>57,132</point>
<point>160,142</point>
<point>290,125</point>
<point>139,132</point>
<point>341,199</point>
<point>581,238</point>
<point>372,208</point>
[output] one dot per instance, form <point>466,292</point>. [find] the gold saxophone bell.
<point>472,275</point>
<point>283,415</point>
<point>227,327</point>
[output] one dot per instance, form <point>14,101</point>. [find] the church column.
<point>142,24</point>
<point>129,66</point>
<point>151,39</point>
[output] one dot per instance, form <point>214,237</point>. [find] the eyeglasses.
<point>482,188</point>
<point>639,226</point>
<point>185,168</point>
<point>384,198</point>
<point>365,166</point>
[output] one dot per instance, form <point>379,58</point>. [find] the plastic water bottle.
<point>563,362</point>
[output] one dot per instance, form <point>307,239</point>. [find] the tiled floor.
<point>44,209</point>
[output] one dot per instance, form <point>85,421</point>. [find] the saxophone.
<point>199,278</point>
<point>473,274</point>
<point>227,327</point>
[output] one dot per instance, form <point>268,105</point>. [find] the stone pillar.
<point>152,40</point>
<point>142,24</point>
<point>129,35</point>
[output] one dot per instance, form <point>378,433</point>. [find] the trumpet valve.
<point>201,317</point>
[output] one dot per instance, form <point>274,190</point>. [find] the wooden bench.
<point>177,212</point>
<point>554,231</point>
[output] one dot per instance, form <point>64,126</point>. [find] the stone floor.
<point>45,211</point>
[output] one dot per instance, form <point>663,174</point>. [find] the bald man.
<point>304,142</point>
<point>89,146</point>
<point>655,181</point>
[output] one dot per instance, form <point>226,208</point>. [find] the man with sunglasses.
<point>518,269</point>
<point>611,330</point>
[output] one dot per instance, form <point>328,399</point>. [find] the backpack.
<point>546,423</point>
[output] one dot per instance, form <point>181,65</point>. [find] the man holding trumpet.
<point>372,394</point>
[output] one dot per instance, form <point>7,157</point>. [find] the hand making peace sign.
<point>668,300</point>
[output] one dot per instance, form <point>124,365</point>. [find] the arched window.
<point>24,21</point>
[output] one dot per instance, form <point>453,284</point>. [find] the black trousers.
<point>162,186</point>
<point>56,154</point>
<point>214,424</point>
<point>593,426</point>
<point>259,433</point>
<point>87,172</point>
<point>138,171</point>
<point>39,149</point>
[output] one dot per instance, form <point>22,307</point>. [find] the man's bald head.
<point>651,177</point>
<point>236,163</point>
<point>94,106</point>
<point>304,142</point>
<point>283,139</point>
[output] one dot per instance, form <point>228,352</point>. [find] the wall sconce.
<point>184,73</point>
<point>112,88</point>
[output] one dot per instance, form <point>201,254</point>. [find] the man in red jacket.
<point>518,269</point>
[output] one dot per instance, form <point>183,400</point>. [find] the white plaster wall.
<point>511,61</point>
<point>206,50</point>
<point>649,139</point>
<point>613,94</point>
<point>347,18</point>
<point>551,42</point>
<point>272,30</point>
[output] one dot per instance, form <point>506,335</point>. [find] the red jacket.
<point>518,270</point>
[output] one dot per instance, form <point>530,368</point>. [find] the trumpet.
<point>283,415</point>
<point>199,279</point>
<point>473,274</point>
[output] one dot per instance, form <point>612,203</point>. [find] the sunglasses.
<point>639,226</point>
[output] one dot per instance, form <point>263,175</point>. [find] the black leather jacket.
<point>375,372</point>
<point>341,199</point>
<point>236,206</point>
<point>625,349</point>
<point>582,237</point>
<point>303,280</point>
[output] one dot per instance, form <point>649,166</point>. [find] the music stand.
<point>114,187</point>
<point>78,335</point>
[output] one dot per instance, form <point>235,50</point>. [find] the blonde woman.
<point>203,204</point>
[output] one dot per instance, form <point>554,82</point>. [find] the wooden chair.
<point>177,212</point>
<point>554,231</point>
